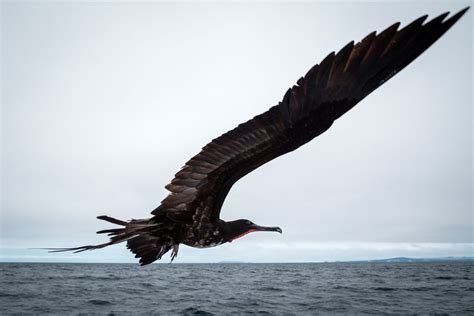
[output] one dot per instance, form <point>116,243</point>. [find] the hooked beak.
<point>266,229</point>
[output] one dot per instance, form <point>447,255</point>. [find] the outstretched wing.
<point>308,109</point>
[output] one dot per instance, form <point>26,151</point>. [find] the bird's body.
<point>190,214</point>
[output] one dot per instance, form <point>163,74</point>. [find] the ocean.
<point>241,288</point>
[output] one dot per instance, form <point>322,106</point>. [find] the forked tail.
<point>141,236</point>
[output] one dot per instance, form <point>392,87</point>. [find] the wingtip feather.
<point>453,19</point>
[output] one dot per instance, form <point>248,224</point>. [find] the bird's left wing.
<point>308,109</point>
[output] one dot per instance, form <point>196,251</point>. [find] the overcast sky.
<point>103,103</point>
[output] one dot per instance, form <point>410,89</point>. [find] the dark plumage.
<point>190,213</point>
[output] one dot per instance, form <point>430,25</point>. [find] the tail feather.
<point>118,235</point>
<point>110,232</point>
<point>81,248</point>
<point>141,235</point>
<point>112,220</point>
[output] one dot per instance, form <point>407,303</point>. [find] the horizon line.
<point>382,260</point>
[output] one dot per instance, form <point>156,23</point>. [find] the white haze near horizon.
<point>103,102</point>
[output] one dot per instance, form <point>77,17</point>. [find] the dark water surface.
<point>304,288</point>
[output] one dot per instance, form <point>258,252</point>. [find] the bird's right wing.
<point>308,109</point>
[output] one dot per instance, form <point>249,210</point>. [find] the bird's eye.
<point>249,223</point>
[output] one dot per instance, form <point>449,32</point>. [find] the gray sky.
<point>103,103</point>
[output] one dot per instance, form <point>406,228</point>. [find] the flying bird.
<point>190,213</point>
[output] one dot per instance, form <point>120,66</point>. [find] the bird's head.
<point>241,227</point>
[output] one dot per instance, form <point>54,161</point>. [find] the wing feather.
<point>326,92</point>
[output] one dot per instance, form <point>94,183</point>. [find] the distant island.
<point>406,259</point>
<point>388,260</point>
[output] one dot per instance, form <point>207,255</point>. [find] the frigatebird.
<point>190,212</point>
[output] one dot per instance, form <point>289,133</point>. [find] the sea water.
<point>244,288</point>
